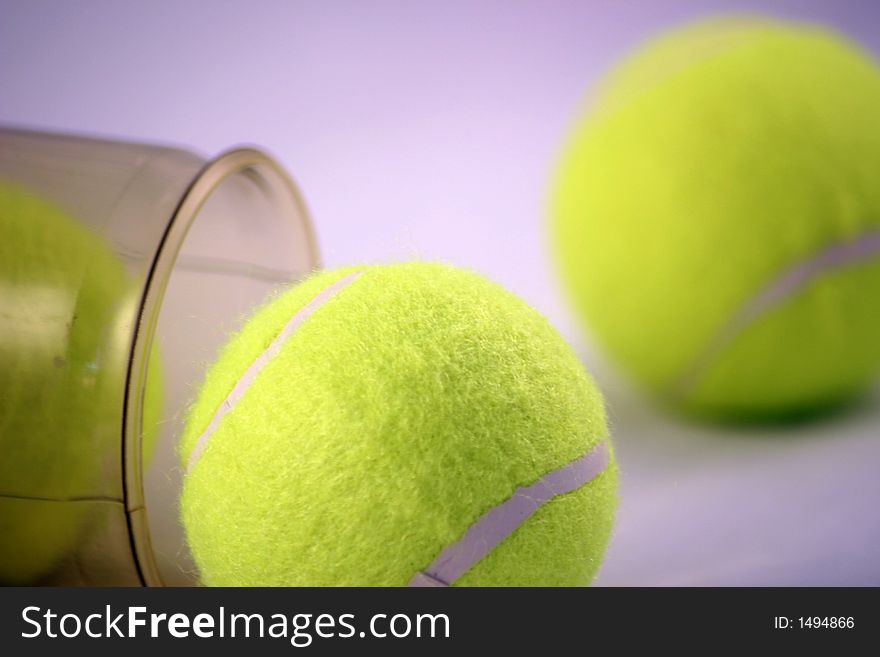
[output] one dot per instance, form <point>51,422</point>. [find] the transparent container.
<point>123,268</point>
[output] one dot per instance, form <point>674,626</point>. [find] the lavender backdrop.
<point>430,130</point>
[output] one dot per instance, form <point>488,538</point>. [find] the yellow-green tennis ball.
<point>717,218</point>
<point>59,288</point>
<point>406,424</point>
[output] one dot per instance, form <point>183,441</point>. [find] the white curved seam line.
<point>242,385</point>
<point>499,522</point>
<point>777,292</point>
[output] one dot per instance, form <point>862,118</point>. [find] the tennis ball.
<point>717,218</point>
<point>404,424</point>
<point>59,423</point>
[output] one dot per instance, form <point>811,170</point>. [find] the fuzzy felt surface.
<point>406,406</point>
<point>714,160</point>
<point>59,288</point>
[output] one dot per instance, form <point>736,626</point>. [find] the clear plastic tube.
<point>127,266</point>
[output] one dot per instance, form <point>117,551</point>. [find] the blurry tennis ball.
<point>59,424</point>
<point>717,218</point>
<point>406,424</point>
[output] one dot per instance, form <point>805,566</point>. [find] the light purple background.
<point>430,130</point>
